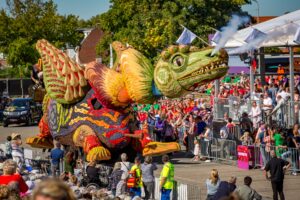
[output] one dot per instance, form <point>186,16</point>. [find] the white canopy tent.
<point>288,21</point>
<point>280,32</point>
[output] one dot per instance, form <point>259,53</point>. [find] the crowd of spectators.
<point>262,123</point>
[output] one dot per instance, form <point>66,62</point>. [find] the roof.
<point>263,18</point>
<point>290,21</point>
<point>87,51</point>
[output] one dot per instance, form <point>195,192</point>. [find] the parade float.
<point>91,106</point>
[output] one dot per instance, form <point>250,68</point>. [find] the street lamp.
<point>256,1</point>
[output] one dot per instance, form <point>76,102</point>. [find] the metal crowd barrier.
<point>180,191</point>
<point>216,149</point>
<point>262,156</point>
<point>233,106</point>
<point>286,116</point>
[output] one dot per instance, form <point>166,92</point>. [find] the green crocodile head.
<point>182,68</point>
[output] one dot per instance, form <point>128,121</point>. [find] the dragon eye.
<point>178,61</point>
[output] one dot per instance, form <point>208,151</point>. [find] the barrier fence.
<point>180,191</point>
<point>262,155</point>
<point>225,150</point>
<point>286,115</point>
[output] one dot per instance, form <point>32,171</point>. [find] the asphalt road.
<point>192,173</point>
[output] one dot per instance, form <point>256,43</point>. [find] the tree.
<point>26,21</point>
<point>21,53</point>
<point>151,25</point>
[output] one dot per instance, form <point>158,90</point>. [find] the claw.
<point>38,142</point>
<point>98,153</point>
<point>160,148</point>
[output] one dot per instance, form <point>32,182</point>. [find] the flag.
<point>254,35</point>
<point>111,59</point>
<point>216,38</point>
<point>186,37</point>
<point>297,36</point>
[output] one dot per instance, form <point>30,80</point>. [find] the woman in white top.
<point>255,115</point>
<point>212,184</point>
<point>205,147</point>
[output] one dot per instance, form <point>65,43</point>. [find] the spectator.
<point>151,122</point>
<point>200,125</point>
<point>245,192</point>
<point>212,184</point>
<point>278,109</point>
<point>169,132</point>
<point>206,143</point>
<point>166,178</point>
<point>279,139</point>
<point>291,150</point>
<point>53,190</point>
<point>230,124</point>
<point>196,150</point>
<point>277,167</point>
<point>4,192</point>
<point>159,129</point>
<point>255,114</point>
<point>136,169</point>
<point>225,188</point>
<point>10,176</point>
<point>115,177</point>
<point>56,156</point>
<point>125,165</point>
<point>246,139</point>
<point>17,151</point>
<point>70,162</point>
<point>148,169</point>
<point>245,123</point>
<point>223,142</point>
<point>267,107</point>
<point>8,148</point>
<point>92,173</point>
<point>259,139</point>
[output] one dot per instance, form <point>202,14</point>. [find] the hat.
<point>14,135</point>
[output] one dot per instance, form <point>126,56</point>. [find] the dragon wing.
<point>64,79</point>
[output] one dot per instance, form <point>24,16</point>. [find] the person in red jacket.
<point>10,176</point>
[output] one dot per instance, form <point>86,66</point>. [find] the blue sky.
<point>88,8</point>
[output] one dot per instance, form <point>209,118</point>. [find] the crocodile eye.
<point>178,61</point>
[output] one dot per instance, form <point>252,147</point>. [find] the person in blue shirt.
<point>56,156</point>
<point>225,188</point>
<point>200,126</point>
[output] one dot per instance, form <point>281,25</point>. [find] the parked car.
<point>21,110</point>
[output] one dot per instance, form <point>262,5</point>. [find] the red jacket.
<point>6,179</point>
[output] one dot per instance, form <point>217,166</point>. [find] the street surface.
<point>193,173</point>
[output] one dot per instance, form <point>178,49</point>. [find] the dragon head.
<point>183,68</point>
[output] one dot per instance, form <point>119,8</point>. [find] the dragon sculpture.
<point>90,107</point>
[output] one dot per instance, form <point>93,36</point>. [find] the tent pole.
<point>216,103</point>
<point>262,67</point>
<point>251,82</point>
<point>292,117</point>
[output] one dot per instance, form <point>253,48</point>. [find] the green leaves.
<point>26,21</point>
<point>21,53</point>
<point>151,25</point>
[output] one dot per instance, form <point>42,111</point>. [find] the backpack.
<point>132,180</point>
